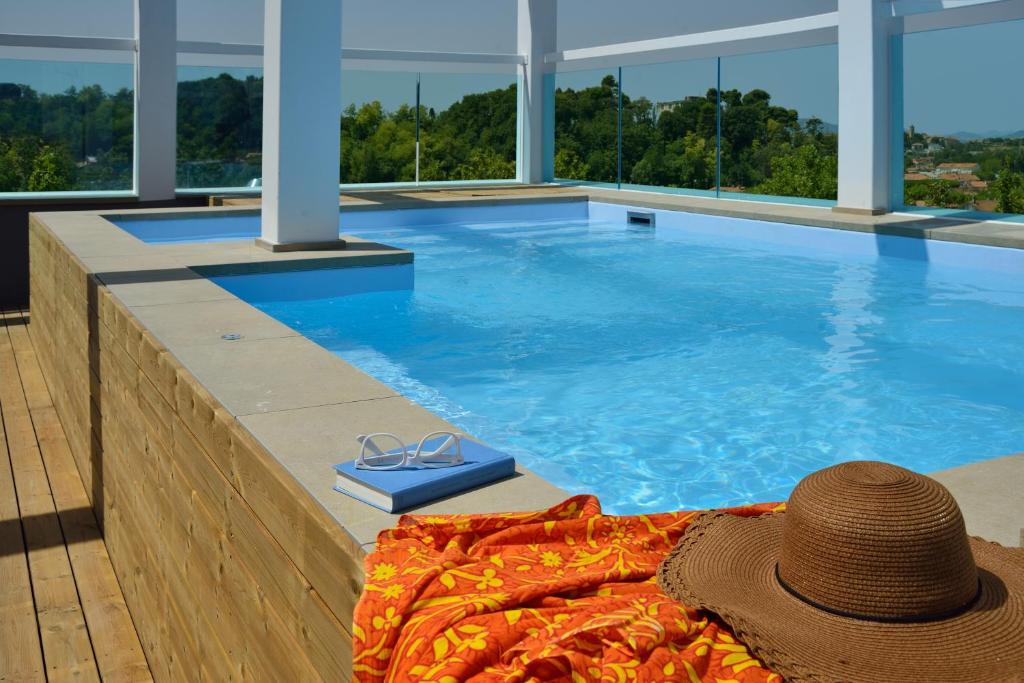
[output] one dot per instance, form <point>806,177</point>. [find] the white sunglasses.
<point>373,457</point>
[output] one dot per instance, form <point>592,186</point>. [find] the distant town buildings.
<point>662,107</point>
<point>958,167</point>
<point>968,183</point>
<point>963,173</point>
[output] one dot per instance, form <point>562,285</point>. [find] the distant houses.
<point>958,168</point>
<point>956,183</point>
<point>963,173</point>
<point>662,107</point>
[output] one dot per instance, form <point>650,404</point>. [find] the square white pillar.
<point>865,107</point>
<point>536,23</point>
<point>301,119</point>
<point>156,98</point>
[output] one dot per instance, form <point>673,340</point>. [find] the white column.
<point>864,106</point>
<point>301,118</point>
<point>156,96</point>
<point>536,37</point>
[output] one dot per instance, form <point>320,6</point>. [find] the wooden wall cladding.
<point>230,569</point>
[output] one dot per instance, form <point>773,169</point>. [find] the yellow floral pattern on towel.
<point>567,594</point>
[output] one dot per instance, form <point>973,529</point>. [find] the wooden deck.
<point>62,613</point>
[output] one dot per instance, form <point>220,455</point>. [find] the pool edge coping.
<point>116,274</point>
<point>179,256</point>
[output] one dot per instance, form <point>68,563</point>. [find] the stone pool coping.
<point>301,402</point>
<point>993,233</point>
<point>963,229</point>
<point>305,405</point>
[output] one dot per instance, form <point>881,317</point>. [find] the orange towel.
<point>567,594</point>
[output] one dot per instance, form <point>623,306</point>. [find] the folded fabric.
<point>567,594</point>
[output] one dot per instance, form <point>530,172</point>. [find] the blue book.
<point>401,489</point>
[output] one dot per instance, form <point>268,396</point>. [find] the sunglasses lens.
<point>382,451</point>
<point>444,449</point>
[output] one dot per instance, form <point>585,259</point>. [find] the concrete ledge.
<point>942,228</point>
<point>302,403</point>
<point>276,247</point>
<point>859,212</point>
<point>990,497</point>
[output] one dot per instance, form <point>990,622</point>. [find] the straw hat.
<point>868,576</point>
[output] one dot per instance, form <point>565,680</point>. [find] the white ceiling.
<point>442,25</point>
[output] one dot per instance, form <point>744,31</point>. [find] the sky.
<point>954,80</point>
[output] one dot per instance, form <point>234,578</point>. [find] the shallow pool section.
<point>702,363</point>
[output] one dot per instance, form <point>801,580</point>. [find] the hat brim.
<point>726,564</point>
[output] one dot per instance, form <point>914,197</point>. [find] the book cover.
<point>401,489</point>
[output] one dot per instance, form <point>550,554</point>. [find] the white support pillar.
<point>536,37</point>
<point>301,118</point>
<point>865,88</point>
<point>156,98</point>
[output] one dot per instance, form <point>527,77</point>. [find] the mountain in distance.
<point>965,135</point>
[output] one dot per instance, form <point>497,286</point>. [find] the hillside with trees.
<point>78,139</point>
<point>81,139</point>
<point>765,148</point>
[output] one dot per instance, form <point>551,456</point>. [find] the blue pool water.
<point>707,362</point>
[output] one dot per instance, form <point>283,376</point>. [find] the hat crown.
<point>877,541</point>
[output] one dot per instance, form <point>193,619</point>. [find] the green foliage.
<point>51,170</point>
<point>474,139</point>
<point>219,118</point>
<point>220,131</point>
<point>586,127</point>
<point>484,162</point>
<point>802,172</point>
<point>81,139</point>
<point>29,165</point>
<point>569,166</point>
<point>938,193</point>
<point>676,148</point>
<point>377,147</point>
<point>1008,189</point>
<point>15,164</point>
<point>689,162</point>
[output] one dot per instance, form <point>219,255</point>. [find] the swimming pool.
<point>700,363</point>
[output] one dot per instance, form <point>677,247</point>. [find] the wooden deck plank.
<point>116,645</point>
<point>67,650</point>
<point>21,654</point>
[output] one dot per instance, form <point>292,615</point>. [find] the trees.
<point>87,135</point>
<point>376,146</point>
<point>802,172</point>
<point>81,139</point>
<point>568,165</point>
<point>1009,190</point>
<point>678,146</point>
<point>51,170</point>
<point>939,193</point>
<point>29,165</point>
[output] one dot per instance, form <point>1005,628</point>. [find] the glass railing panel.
<point>65,126</point>
<point>780,131</point>
<point>220,127</point>
<point>963,120</point>
<point>378,127</point>
<point>669,126</point>
<point>467,126</point>
<point>586,126</point>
